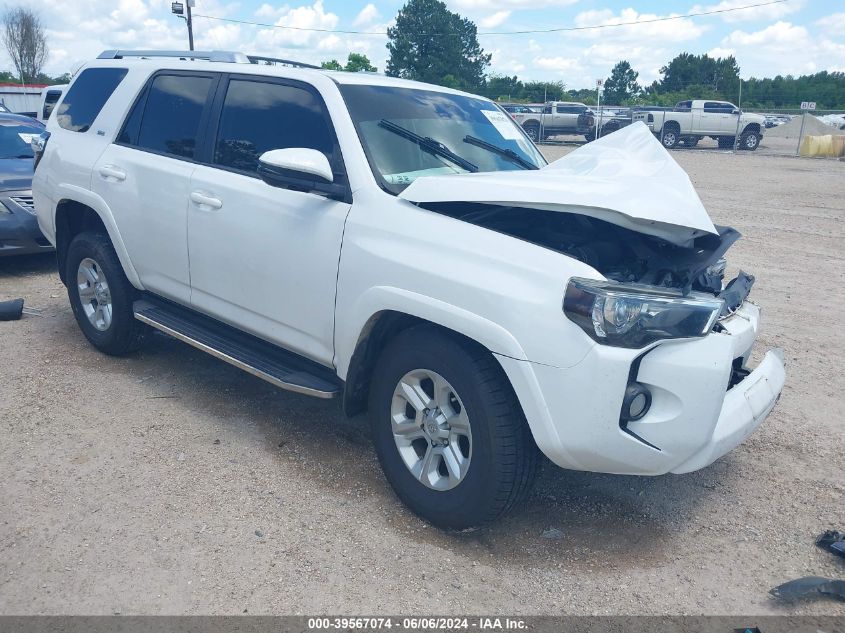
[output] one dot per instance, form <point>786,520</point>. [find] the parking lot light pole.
<point>178,9</point>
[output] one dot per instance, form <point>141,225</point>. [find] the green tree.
<point>357,62</point>
<point>428,43</point>
<point>503,87</point>
<point>719,74</point>
<point>621,87</point>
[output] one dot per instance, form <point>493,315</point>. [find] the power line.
<point>525,32</point>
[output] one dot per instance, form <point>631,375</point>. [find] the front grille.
<point>24,202</point>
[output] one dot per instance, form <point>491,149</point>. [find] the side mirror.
<point>736,111</point>
<point>300,169</point>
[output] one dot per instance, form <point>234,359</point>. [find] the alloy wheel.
<point>431,429</point>
<point>94,294</point>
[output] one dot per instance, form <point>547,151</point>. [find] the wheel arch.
<point>356,365</point>
<point>671,124</point>
<point>752,127</point>
<point>78,211</point>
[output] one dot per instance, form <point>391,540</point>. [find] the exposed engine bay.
<point>618,253</point>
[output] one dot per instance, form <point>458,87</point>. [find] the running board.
<point>255,356</point>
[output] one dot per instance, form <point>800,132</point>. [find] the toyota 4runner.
<point>405,247</point>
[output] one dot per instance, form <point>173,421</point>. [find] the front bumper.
<point>19,232</point>
<point>694,418</point>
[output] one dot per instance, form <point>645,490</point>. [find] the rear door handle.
<point>110,172</point>
<point>204,200</point>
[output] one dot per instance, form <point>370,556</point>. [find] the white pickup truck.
<point>689,121</point>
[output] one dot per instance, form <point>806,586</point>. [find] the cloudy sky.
<point>795,36</point>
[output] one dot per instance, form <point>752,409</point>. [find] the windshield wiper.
<point>428,144</point>
<point>501,151</point>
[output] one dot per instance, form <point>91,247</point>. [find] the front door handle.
<point>110,172</point>
<point>203,200</point>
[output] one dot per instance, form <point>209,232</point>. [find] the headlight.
<point>634,316</point>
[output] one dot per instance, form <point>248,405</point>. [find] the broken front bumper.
<point>698,410</point>
<point>746,405</point>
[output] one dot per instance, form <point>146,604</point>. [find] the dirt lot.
<point>169,482</point>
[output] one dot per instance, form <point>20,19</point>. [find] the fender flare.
<point>350,329</point>
<point>68,192</point>
<point>672,122</point>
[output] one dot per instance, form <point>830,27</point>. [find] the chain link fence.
<point>793,132</point>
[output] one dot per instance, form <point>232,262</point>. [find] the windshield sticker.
<point>406,178</point>
<point>503,124</point>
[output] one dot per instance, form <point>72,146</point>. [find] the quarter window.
<point>87,96</point>
<point>168,120</point>
<point>261,116</point>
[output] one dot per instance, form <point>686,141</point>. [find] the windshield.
<point>15,137</point>
<point>439,124</point>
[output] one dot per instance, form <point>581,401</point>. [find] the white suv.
<point>406,247</point>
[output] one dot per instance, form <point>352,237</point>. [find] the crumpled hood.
<point>626,178</point>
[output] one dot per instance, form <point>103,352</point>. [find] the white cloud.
<point>649,30</point>
<point>367,15</point>
<point>783,48</point>
<point>781,36</point>
<point>494,20</point>
<point>833,24</point>
<point>303,17</point>
<point>493,5</point>
<point>556,64</point>
<point>767,12</point>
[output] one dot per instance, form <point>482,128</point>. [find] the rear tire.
<point>670,136</point>
<point>101,296</point>
<point>492,463</point>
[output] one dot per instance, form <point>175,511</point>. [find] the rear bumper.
<point>694,419</point>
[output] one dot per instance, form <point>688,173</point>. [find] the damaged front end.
<point>621,205</point>
<point>620,254</point>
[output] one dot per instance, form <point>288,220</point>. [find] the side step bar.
<point>260,358</point>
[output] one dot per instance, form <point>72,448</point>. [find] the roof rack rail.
<point>257,59</point>
<point>211,56</point>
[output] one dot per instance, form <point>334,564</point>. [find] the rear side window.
<point>259,116</point>
<point>87,96</point>
<point>50,100</point>
<point>168,119</point>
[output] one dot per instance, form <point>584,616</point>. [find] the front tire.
<point>448,429</point>
<point>749,141</point>
<point>533,132</point>
<point>101,296</point>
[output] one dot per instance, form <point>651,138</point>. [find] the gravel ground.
<point>171,483</point>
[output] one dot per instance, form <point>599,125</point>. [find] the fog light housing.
<point>636,403</point>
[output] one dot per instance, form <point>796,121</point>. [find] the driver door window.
<point>258,116</point>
